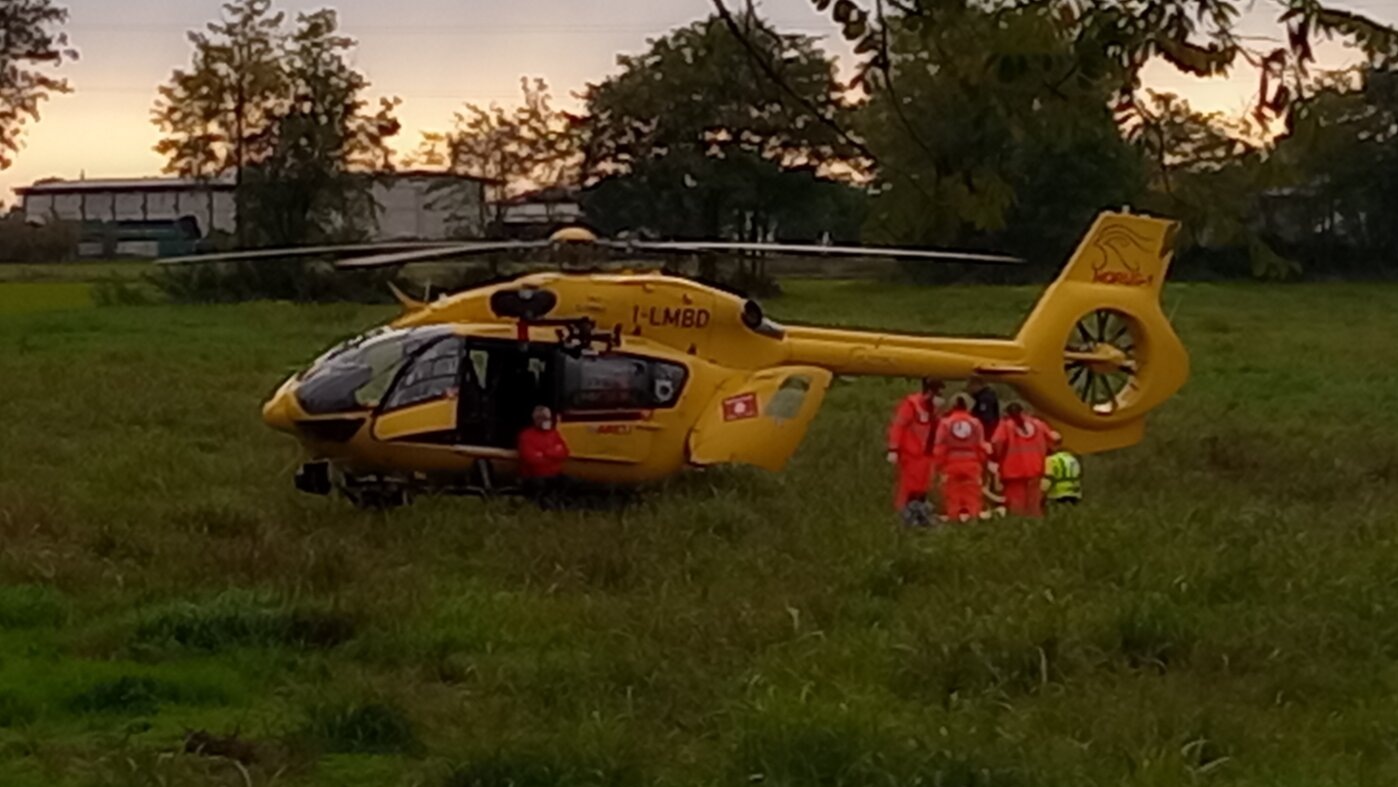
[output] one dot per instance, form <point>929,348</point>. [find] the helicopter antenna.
<point>1176,309</point>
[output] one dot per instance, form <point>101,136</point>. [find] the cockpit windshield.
<point>356,374</point>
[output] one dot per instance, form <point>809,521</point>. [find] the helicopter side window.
<point>434,373</point>
<point>786,403</point>
<point>356,375</point>
<point>615,382</point>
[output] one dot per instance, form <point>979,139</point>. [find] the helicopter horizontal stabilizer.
<point>410,304</point>
<point>1001,370</point>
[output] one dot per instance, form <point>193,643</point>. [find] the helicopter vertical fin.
<point>1098,348</point>
<point>1124,250</point>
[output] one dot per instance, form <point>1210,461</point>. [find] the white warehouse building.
<point>412,205</point>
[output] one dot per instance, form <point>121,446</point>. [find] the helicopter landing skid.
<point>382,492</point>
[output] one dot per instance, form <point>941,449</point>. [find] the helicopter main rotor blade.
<point>299,251</point>
<point>815,249</point>
<point>440,252</point>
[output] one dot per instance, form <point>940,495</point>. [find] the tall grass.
<point>1219,612</point>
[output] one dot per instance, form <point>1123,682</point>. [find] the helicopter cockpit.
<point>356,374</point>
<point>495,382</point>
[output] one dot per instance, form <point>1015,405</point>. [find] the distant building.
<point>210,204</point>
<point>538,213</point>
<point>421,205</point>
<point>126,216</point>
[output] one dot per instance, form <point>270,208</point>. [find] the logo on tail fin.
<point>1117,248</point>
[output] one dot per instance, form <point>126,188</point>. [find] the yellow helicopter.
<point>652,373</point>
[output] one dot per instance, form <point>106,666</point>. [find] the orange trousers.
<point>1023,497</point>
<point>961,491</point>
<point>914,479</point>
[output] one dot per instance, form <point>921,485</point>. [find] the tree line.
<point>969,123</point>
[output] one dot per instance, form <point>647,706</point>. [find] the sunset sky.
<point>434,54</point>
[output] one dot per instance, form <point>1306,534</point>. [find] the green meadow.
<point>1223,611</point>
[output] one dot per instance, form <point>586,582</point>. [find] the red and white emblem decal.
<point>741,407</point>
<point>961,430</point>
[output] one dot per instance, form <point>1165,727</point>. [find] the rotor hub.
<point>573,235</point>
<point>1109,359</point>
<point>1101,360</point>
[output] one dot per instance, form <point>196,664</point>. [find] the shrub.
<point>127,695</point>
<point>1152,634</point>
<point>30,606</point>
<point>299,281</point>
<point>526,768</point>
<point>284,280</point>
<point>374,727</point>
<point>786,751</point>
<point>122,293</point>
<point>15,710</point>
<point>21,241</point>
<point>243,620</point>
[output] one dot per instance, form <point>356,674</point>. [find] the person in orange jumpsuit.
<point>542,453</point>
<point>910,445</point>
<point>959,454</point>
<point>1021,445</point>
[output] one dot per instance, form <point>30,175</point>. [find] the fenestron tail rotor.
<point>1099,351</point>
<point>1100,362</point>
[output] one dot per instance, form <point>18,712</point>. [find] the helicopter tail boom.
<point>1094,357</point>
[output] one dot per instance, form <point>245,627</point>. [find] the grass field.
<point>1224,611</point>
<point>124,270</point>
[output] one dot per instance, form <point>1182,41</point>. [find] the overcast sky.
<point>434,54</point>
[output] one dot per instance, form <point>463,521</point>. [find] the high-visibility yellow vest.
<point>1063,477</point>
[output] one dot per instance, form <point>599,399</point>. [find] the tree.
<point>1115,39</point>
<point>691,139</point>
<point>1208,171</point>
<point>29,44</point>
<point>1092,44</point>
<point>968,154</point>
<point>1341,156</point>
<point>215,114</point>
<point>321,145</point>
<point>284,111</point>
<point>532,146</point>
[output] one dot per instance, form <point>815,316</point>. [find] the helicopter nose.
<point>278,412</point>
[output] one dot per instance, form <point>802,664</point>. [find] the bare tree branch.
<point>885,65</point>
<point>763,64</point>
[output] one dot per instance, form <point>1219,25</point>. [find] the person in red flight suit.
<point>542,453</point>
<point>960,453</point>
<point>1021,445</point>
<point>910,445</point>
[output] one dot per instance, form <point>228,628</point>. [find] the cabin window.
<point>618,382</point>
<point>357,374</point>
<point>435,373</point>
